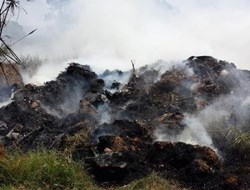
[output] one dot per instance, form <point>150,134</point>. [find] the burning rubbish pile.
<point>126,131</point>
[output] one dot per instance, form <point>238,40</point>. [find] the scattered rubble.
<point>65,114</point>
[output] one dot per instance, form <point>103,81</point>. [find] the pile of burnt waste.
<point>112,129</point>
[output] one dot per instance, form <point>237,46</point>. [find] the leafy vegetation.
<point>7,8</point>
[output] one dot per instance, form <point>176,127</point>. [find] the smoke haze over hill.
<point>108,34</point>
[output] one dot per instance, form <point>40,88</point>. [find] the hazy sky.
<point>109,33</point>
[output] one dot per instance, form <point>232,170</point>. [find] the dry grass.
<point>239,140</point>
<point>73,141</point>
<point>234,138</point>
<point>152,182</point>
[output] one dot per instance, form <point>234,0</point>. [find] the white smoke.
<point>108,34</point>
<point>104,114</point>
<point>226,112</point>
<point>5,103</point>
<point>116,76</point>
<point>194,133</point>
<point>46,72</point>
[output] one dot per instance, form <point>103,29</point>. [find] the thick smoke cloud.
<point>108,34</point>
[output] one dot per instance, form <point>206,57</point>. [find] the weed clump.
<point>41,170</point>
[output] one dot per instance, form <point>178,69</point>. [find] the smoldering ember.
<point>181,123</point>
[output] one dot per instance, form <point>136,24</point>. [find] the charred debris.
<point>113,133</point>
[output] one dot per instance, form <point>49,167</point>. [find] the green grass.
<point>42,170</point>
<point>46,170</point>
